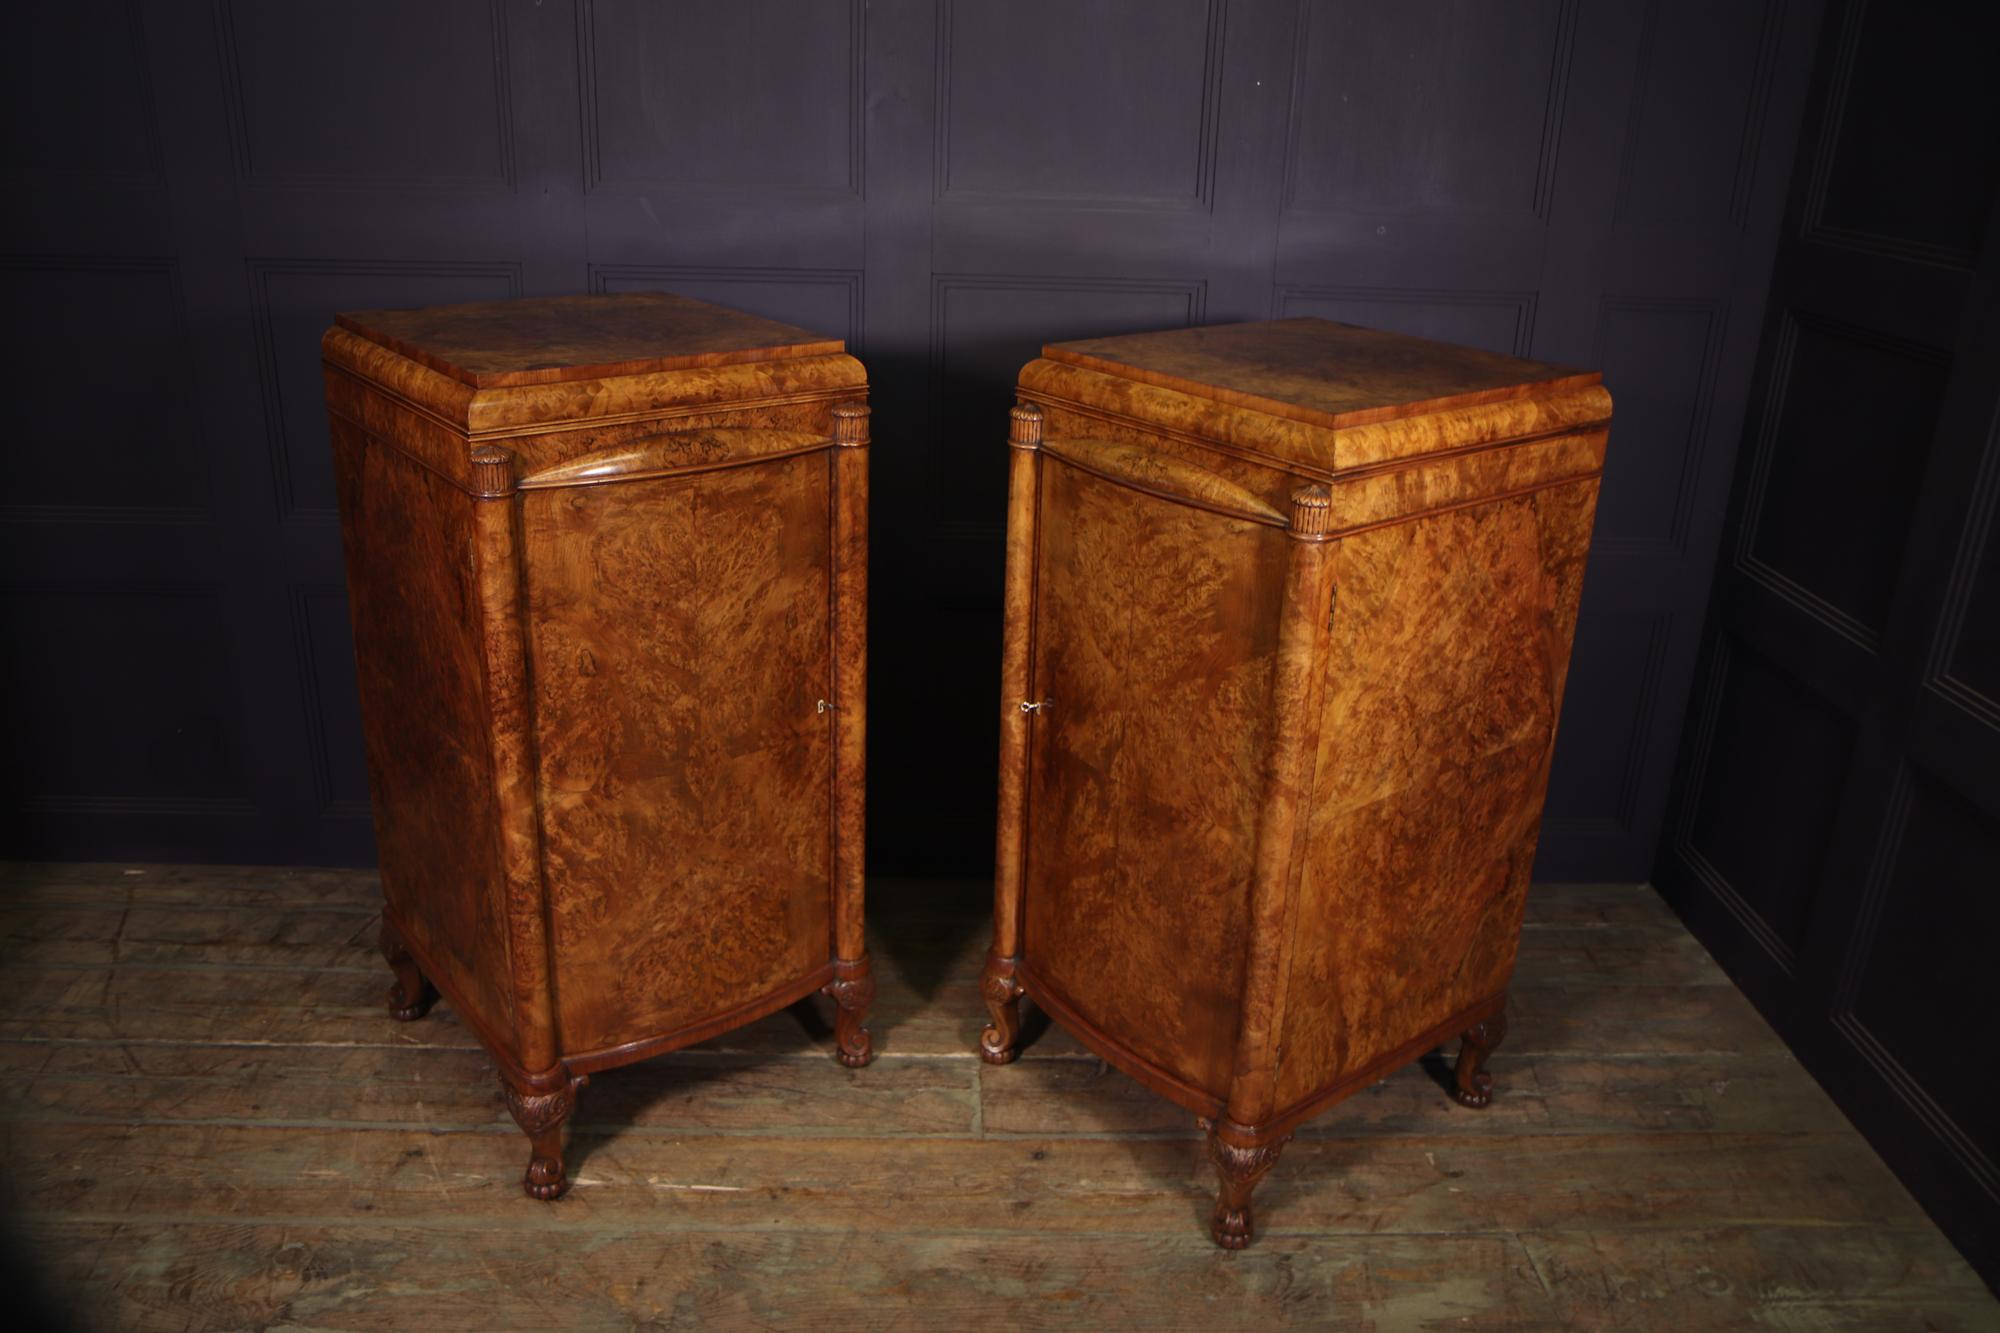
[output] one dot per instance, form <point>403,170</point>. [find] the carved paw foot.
<point>410,995</point>
<point>1479,1095</point>
<point>998,1043</point>
<point>1231,1227</point>
<point>993,1052</point>
<point>1472,1085</point>
<point>541,1114</point>
<point>853,990</point>
<point>545,1178</point>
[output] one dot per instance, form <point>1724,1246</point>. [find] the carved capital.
<point>492,471</point>
<point>540,1112</point>
<point>1024,426</point>
<point>1243,1166</point>
<point>998,983</point>
<point>1312,513</point>
<point>853,985</point>
<point>850,424</point>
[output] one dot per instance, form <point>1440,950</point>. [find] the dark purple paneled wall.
<point>194,190</point>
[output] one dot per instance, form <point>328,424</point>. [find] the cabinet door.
<point>679,628</point>
<point>1155,634</point>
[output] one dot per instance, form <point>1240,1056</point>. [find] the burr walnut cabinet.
<point>607,563</point>
<point>1288,614</point>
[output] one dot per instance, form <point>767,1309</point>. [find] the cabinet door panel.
<point>1156,626</point>
<point>1444,678</point>
<point>680,648</point>
<point>414,600</point>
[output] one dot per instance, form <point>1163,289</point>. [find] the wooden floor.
<point>211,1123</point>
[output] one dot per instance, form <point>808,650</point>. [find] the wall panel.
<point>731,94</point>
<point>1837,807</point>
<point>946,184</point>
<point>435,110</point>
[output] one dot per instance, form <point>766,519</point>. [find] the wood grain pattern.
<point>1298,687</point>
<point>847,684</point>
<point>1180,417</point>
<point>616,670</point>
<point>501,625</point>
<point>391,395</point>
<point>430,765</point>
<point>1319,372</point>
<point>1000,983</point>
<point>500,344</point>
<point>681,642</point>
<point>329,1276</point>
<point>673,453</point>
<point>1420,840</point>
<point>1285,777</point>
<point>1164,476</point>
<point>206,1122</point>
<point>1156,625</point>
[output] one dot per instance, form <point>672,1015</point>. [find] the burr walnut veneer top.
<point>1319,372</point>
<point>499,344</point>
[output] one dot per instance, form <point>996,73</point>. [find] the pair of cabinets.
<point>1288,610</point>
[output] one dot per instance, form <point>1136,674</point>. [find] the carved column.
<point>1298,692</point>
<point>1243,1156</point>
<point>1000,984</point>
<point>504,644</point>
<point>853,986</point>
<point>545,1102</point>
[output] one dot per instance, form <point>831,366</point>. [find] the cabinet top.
<point>499,344</point>
<point>1319,372</point>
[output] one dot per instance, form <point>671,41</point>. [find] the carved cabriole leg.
<point>1018,710</point>
<point>853,990</point>
<point>1002,989</point>
<point>411,996</point>
<point>1474,1086</point>
<point>541,1113</point>
<point>1238,1168</point>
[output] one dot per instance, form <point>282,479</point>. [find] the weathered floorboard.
<point>1136,1185</point>
<point>209,1121</point>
